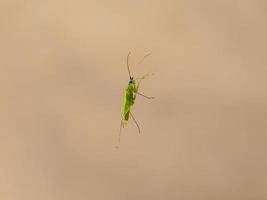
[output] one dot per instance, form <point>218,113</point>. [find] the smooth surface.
<point>62,77</point>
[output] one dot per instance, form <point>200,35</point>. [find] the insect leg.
<point>140,79</point>
<point>135,122</point>
<point>144,76</point>
<point>142,59</point>
<point>119,138</point>
<point>136,89</point>
<point>145,96</point>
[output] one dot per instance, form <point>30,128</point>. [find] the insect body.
<point>129,97</point>
<point>128,101</point>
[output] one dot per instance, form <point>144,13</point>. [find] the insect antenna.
<point>128,67</point>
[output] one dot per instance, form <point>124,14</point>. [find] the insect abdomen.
<point>127,102</point>
<point>126,116</point>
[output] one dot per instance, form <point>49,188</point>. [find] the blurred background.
<point>62,77</point>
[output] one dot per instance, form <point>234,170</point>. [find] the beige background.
<point>62,75</point>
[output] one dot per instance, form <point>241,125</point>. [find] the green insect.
<point>129,97</point>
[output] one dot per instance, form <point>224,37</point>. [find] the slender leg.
<point>142,59</point>
<point>144,76</point>
<point>119,138</point>
<point>136,92</point>
<point>135,122</point>
<point>145,96</point>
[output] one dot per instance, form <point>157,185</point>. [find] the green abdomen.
<point>126,116</point>
<point>127,103</point>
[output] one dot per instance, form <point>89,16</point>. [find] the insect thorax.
<point>130,87</point>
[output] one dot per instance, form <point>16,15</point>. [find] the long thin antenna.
<point>128,67</point>
<point>142,59</point>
